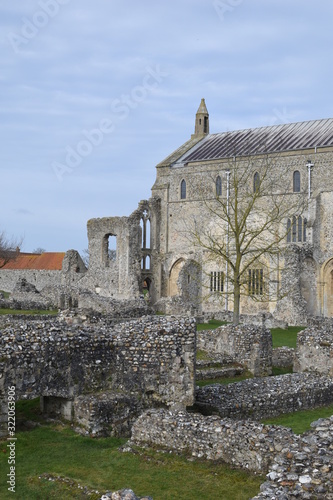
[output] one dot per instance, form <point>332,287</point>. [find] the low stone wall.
<point>297,466</point>
<point>266,397</point>
<point>283,357</point>
<point>314,351</point>
<point>304,470</point>
<point>248,344</point>
<point>240,443</point>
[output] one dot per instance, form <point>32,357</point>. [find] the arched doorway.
<point>173,277</point>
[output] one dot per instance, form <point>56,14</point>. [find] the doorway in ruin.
<point>326,289</point>
<point>173,278</point>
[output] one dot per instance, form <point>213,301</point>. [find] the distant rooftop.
<point>273,139</point>
<point>51,261</point>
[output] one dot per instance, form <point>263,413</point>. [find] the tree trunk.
<point>236,302</point>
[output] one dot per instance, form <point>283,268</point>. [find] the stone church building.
<point>161,248</point>
<point>155,245</point>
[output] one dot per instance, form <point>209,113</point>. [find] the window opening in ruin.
<point>145,263</point>
<point>109,251</point>
<point>183,190</point>
<point>218,185</point>
<point>256,281</point>
<point>296,229</point>
<point>296,181</point>
<point>256,182</point>
<point>145,230</point>
<point>216,281</point>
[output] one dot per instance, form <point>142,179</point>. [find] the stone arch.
<point>308,282</point>
<point>326,289</point>
<point>173,289</point>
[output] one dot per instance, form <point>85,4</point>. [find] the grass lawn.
<point>211,325</point>
<point>98,464</point>
<point>300,421</point>
<point>29,312</point>
<point>286,337</point>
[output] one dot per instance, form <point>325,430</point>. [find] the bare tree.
<point>246,227</point>
<point>9,248</point>
<point>39,250</point>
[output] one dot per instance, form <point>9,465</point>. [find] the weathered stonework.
<point>256,399</point>
<point>150,360</point>
<point>247,344</point>
<point>314,351</point>
<point>297,466</point>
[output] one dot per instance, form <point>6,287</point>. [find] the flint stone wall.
<point>256,399</point>
<point>151,359</point>
<point>283,357</point>
<point>248,344</point>
<point>314,350</point>
<point>243,444</point>
<point>305,469</point>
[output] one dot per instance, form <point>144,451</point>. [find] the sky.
<point>94,94</point>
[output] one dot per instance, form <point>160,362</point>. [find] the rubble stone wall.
<point>256,399</point>
<point>247,344</point>
<point>151,359</point>
<point>314,351</point>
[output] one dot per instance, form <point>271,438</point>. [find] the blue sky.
<point>95,94</point>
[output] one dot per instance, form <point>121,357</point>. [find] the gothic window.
<point>183,190</point>
<point>145,228</point>
<point>256,281</point>
<point>218,185</point>
<point>216,281</point>
<point>296,181</point>
<point>256,182</point>
<point>296,229</point>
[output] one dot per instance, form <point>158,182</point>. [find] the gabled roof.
<point>272,139</point>
<point>51,261</point>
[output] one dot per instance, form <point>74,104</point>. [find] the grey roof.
<point>276,138</point>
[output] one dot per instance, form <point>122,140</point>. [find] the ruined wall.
<point>242,444</point>
<point>38,278</point>
<point>314,350</point>
<point>150,358</point>
<point>297,466</point>
<point>256,399</point>
<point>247,344</point>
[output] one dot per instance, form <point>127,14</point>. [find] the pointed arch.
<point>256,182</point>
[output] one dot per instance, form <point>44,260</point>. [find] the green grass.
<point>29,312</point>
<point>99,465</point>
<point>300,421</point>
<point>286,337</point>
<point>5,294</point>
<point>211,325</point>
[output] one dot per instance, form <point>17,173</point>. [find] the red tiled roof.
<point>51,261</point>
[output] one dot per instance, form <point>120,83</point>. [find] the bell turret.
<point>201,120</point>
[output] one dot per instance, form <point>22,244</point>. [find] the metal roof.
<point>276,138</point>
<point>51,261</point>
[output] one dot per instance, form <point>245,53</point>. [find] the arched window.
<point>256,182</point>
<point>218,185</point>
<point>288,231</point>
<point>296,181</point>
<point>183,190</point>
